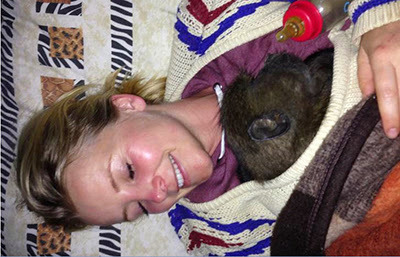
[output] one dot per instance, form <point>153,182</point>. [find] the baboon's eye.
<point>269,125</point>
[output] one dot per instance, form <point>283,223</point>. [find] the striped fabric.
<point>367,6</point>
<point>31,240</point>
<point>110,240</point>
<point>121,36</point>
<point>9,108</point>
<point>72,8</point>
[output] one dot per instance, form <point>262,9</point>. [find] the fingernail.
<point>392,133</point>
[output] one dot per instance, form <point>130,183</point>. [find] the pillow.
<point>49,47</point>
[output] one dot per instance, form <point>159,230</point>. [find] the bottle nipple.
<point>294,27</point>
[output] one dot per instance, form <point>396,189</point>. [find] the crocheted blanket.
<point>241,221</point>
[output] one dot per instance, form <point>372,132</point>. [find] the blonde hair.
<point>50,137</point>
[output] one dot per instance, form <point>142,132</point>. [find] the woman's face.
<point>144,162</point>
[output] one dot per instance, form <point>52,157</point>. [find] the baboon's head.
<point>269,120</point>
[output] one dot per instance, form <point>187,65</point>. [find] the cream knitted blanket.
<point>240,222</point>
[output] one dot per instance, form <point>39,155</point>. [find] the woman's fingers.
<point>388,95</point>
<point>379,72</point>
<point>365,77</point>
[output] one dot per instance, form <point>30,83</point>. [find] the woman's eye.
<point>131,171</point>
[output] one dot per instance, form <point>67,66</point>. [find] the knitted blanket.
<point>241,221</point>
<point>338,187</point>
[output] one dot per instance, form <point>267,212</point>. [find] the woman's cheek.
<point>204,167</point>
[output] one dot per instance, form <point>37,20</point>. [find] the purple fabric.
<point>248,57</point>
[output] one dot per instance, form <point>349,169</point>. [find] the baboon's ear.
<point>289,65</point>
<point>269,125</point>
<point>321,70</point>
<point>243,80</point>
<point>276,63</point>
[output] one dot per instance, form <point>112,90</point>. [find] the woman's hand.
<point>379,72</point>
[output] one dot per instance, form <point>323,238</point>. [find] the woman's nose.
<point>153,190</point>
<point>159,189</point>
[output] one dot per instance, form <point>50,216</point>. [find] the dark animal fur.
<point>269,120</point>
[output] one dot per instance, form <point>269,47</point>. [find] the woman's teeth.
<point>178,173</point>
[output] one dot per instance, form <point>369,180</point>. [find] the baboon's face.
<point>270,119</point>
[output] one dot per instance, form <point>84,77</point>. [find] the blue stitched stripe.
<point>227,23</point>
<point>200,45</point>
<point>258,248</point>
<point>181,213</point>
<point>366,6</point>
<point>186,37</point>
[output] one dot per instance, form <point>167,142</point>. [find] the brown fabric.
<point>378,154</point>
<point>379,232</point>
<point>374,162</point>
<point>339,168</point>
<point>53,88</point>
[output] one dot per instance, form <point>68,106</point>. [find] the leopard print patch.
<point>66,42</point>
<point>53,88</point>
<point>52,239</point>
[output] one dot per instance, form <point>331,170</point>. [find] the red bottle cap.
<point>309,14</point>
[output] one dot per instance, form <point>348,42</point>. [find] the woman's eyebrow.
<point>115,186</point>
<point>110,176</point>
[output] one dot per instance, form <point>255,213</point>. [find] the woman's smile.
<point>180,175</point>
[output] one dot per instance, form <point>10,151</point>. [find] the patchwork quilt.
<point>48,48</point>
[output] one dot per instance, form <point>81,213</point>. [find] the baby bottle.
<point>306,19</point>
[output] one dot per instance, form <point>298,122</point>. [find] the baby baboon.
<point>270,119</point>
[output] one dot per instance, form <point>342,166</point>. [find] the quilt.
<point>48,48</point>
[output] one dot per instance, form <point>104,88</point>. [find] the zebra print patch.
<point>121,37</point>
<point>110,240</point>
<point>31,239</point>
<point>78,83</point>
<point>44,53</point>
<point>74,7</point>
<point>9,109</point>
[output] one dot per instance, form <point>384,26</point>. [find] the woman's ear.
<point>128,102</point>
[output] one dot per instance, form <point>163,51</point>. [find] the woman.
<point>119,157</point>
<point>144,161</point>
